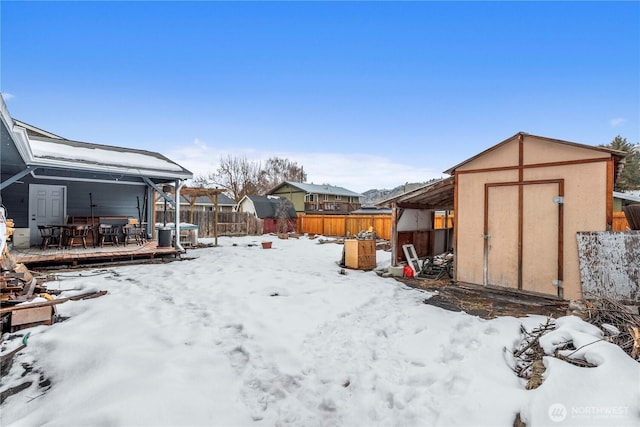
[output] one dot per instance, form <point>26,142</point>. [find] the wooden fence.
<point>229,223</point>
<point>243,223</point>
<point>619,222</point>
<point>343,225</point>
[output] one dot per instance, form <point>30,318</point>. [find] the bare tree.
<point>236,175</point>
<point>282,213</point>
<point>276,171</point>
<point>239,177</point>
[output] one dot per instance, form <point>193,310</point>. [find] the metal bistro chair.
<point>50,236</point>
<point>109,234</point>
<point>76,236</point>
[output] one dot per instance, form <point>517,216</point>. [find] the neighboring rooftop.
<point>319,189</point>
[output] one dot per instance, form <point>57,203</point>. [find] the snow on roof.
<point>94,156</point>
<point>627,196</point>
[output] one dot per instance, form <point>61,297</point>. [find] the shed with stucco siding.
<point>518,207</point>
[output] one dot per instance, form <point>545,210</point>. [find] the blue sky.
<point>362,94</point>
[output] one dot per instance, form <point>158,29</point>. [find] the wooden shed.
<point>518,206</point>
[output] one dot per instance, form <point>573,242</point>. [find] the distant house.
<point>275,212</point>
<point>318,199</point>
<point>371,210</point>
<point>202,203</point>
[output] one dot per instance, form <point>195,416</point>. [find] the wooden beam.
<point>394,233</point>
<point>520,207</point>
<point>52,302</point>
<point>609,207</point>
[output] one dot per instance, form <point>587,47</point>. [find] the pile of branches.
<point>528,357</point>
<point>616,320</point>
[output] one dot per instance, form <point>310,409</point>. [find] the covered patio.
<point>51,182</point>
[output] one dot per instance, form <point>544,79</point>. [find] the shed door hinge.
<point>559,200</point>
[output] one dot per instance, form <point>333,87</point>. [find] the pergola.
<point>192,194</point>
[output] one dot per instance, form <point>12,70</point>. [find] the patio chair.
<point>77,236</point>
<point>50,236</point>
<point>109,234</point>
<point>132,232</point>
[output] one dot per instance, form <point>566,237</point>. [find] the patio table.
<point>65,229</point>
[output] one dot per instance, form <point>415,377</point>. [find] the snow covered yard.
<point>245,336</point>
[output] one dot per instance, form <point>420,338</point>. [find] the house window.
<point>338,197</point>
<point>310,197</point>
<point>325,197</point>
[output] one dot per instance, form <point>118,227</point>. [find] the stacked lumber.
<point>25,301</point>
<point>19,286</point>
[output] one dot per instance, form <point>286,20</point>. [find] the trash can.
<point>164,237</point>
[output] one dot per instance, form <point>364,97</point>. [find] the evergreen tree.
<point>629,178</point>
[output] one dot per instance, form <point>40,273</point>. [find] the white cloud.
<point>359,172</point>
<point>617,121</point>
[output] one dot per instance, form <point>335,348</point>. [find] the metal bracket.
<point>557,283</point>
<point>486,236</point>
<point>559,200</point>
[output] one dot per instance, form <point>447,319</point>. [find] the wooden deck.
<point>36,257</point>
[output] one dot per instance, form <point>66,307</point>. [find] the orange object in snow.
<point>407,271</point>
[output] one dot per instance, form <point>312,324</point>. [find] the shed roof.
<point>616,153</point>
<point>436,195</point>
<point>318,189</point>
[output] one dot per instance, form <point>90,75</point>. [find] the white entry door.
<point>47,206</point>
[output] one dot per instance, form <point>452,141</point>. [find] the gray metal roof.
<point>223,200</point>
<point>64,153</point>
<point>371,210</point>
<point>26,147</point>
<point>319,189</point>
<point>267,206</point>
<point>626,196</point>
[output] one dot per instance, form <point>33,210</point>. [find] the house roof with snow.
<point>64,153</point>
<point>318,189</point>
<point>28,149</point>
